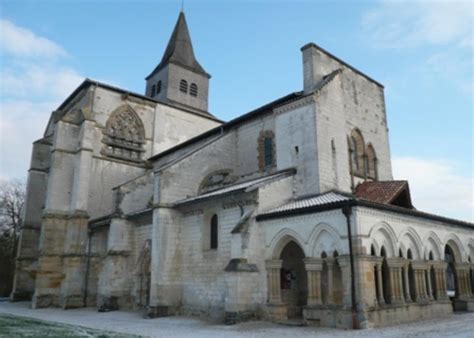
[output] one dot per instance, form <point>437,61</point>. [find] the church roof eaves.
<point>88,82</point>
<point>341,200</point>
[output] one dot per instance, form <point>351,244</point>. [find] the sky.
<point>422,51</point>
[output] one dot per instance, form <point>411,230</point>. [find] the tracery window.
<point>124,135</point>
<point>183,86</point>
<point>193,89</point>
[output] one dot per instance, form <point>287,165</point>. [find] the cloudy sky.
<point>422,51</point>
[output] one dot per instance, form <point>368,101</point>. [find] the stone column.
<point>380,295</point>
<point>430,287</point>
<point>472,279</point>
<point>330,283</point>
<point>273,280</point>
<point>440,280</point>
<point>314,267</point>
<point>419,268</point>
<point>395,265</point>
<point>407,282</point>
<point>462,272</point>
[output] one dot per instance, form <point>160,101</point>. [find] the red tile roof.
<point>385,192</point>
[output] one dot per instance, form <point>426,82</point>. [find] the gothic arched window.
<point>214,232</point>
<point>193,89</point>
<point>124,135</point>
<point>357,153</point>
<point>183,86</point>
<point>371,163</point>
<point>153,89</point>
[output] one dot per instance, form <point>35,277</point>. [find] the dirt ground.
<point>88,322</point>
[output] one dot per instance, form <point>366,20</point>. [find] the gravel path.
<point>457,325</point>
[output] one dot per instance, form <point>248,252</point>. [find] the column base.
<point>464,305</point>
<point>276,312</point>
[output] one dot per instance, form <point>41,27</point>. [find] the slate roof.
<point>323,199</point>
<point>334,199</point>
<point>180,49</point>
<point>243,186</point>
<point>382,191</point>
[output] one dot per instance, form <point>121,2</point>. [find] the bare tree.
<point>12,200</point>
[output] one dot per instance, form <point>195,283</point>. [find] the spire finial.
<point>182,5</point>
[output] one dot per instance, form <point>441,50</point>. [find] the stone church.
<point>288,212</point>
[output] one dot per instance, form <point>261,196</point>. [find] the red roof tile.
<point>385,192</point>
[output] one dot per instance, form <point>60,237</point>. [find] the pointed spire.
<point>180,49</point>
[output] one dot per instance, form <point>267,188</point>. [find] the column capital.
<point>330,261</point>
<point>395,262</point>
<point>462,266</point>
<point>439,265</point>
<point>419,265</point>
<point>273,263</point>
<point>313,264</point>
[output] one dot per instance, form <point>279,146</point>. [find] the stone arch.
<point>432,243</point>
<point>124,135</point>
<point>382,234</point>
<point>470,247</point>
<point>412,240</point>
<point>293,276</point>
<point>371,162</point>
<point>456,246</point>
<point>402,249</point>
<point>324,238</point>
<point>281,239</point>
<point>357,154</point>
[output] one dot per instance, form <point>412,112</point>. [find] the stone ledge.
<point>240,265</point>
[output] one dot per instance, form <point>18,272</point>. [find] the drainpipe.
<point>88,259</point>
<point>347,211</point>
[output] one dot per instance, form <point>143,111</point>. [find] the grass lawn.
<point>15,326</point>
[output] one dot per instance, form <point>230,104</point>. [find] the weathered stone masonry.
<point>150,202</point>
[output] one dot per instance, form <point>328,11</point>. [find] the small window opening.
<point>158,87</point>
<point>183,86</point>
<point>214,234</point>
<point>193,90</point>
<point>153,90</point>
<point>268,151</point>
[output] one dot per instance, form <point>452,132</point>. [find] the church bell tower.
<point>179,79</point>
